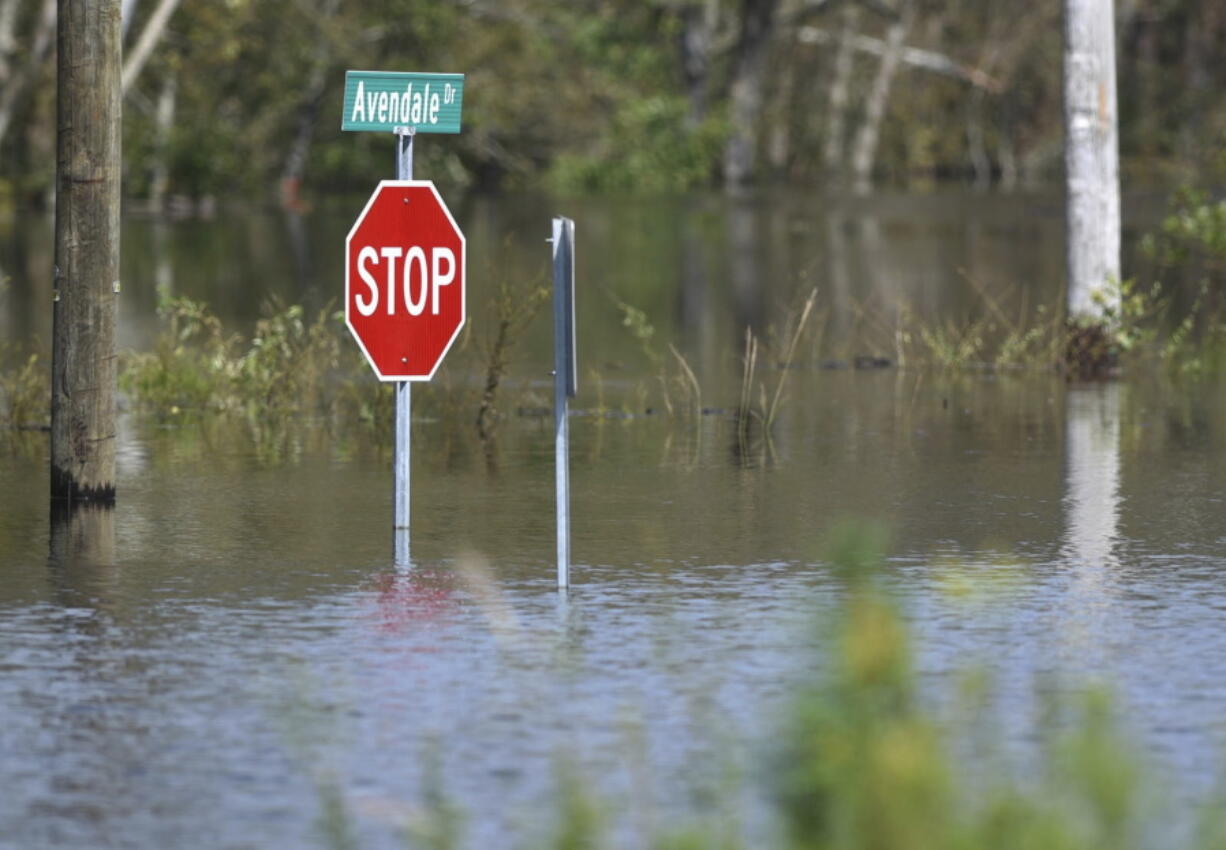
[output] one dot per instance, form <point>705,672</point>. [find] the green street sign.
<point>385,100</point>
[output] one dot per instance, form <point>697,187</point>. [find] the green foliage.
<point>987,341</point>
<point>289,365</point>
<point>579,818</point>
<point>949,345</point>
<point>334,823</point>
<point>601,95</point>
<point>25,391</point>
<point>290,361</point>
<point>640,327</point>
<point>866,767</point>
<point>440,824</point>
<point>25,400</point>
<point>1192,233</point>
<point>649,147</point>
<point>1151,327</point>
<point>995,337</point>
<point>516,304</point>
<point>192,366</point>
<point>757,401</point>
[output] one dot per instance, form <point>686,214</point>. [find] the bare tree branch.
<point>916,57</point>
<point>817,7</point>
<point>149,37</point>
<point>864,152</point>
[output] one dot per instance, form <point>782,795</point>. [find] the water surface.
<point>200,666</point>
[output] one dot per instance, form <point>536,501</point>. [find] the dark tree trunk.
<point>86,253</point>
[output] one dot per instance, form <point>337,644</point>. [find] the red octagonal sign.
<point>404,280</point>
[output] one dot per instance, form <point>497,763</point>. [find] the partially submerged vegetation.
<point>25,398</point>
<point>289,366</point>
<point>297,366</point>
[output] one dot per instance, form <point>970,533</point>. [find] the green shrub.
<point>192,367</point>
<point>650,147</point>
<point>25,393</point>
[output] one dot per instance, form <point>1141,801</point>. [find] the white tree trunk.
<point>864,153</point>
<point>840,88</point>
<point>1091,156</point>
<point>164,122</point>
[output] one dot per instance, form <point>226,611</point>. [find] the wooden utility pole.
<point>1091,157</point>
<point>86,253</point>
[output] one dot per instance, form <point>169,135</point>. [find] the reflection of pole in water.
<point>744,263</point>
<point>163,263</point>
<point>838,272</point>
<point>692,295</point>
<point>82,561</point>
<point>1092,473</point>
<point>83,534</point>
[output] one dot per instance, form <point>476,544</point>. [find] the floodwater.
<point>211,662</point>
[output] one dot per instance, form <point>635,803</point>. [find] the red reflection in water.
<point>406,601</point>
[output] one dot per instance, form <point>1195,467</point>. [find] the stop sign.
<point>404,280</point>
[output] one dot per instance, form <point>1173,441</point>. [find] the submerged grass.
<point>296,367</point>
<point>291,365</point>
<point>515,306</point>
<point>24,389</point>
<point>25,393</point>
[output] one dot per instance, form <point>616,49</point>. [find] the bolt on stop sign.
<point>404,280</point>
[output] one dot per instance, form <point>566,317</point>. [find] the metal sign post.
<point>404,401</point>
<point>405,104</point>
<point>565,381</point>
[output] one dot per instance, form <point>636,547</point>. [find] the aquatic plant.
<point>690,382</point>
<point>440,822</point>
<point>1193,233</point>
<point>191,367</point>
<point>651,146</point>
<point>25,391</point>
<point>25,400</point>
<point>994,338</point>
<point>290,361</point>
<point>290,366</point>
<point>334,822</point>
<point>580,818</point>
<point>516,304</point>
<point>757,402</point>
<point>683,381</point>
